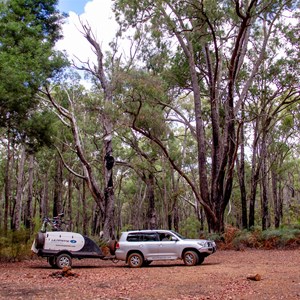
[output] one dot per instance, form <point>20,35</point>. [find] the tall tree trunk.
<point>241,178</point>
<point>280,200</point>
<point>58,188</point>
<point>70,198</point>
<point>275,199</point>
<point>84,210</point>
<point>99,73</point>
<point>18,198</point>
<point>255,170</point>
<point>109,197</point>
<point>28,210</point>
<point>96,220</point>
<point>151,213</point>
<point>264,190</point>
<point>44,206</point>
<point>7,182</point>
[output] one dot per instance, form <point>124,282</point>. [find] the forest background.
<point>195,128</point>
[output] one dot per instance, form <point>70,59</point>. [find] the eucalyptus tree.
<point>71,104</point>
<point>103,74</point>
<point>207,43</point>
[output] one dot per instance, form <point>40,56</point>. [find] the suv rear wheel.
<point>135,260</point>
<point>190,258</point>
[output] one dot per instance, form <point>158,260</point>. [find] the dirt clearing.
<point>223,275</point>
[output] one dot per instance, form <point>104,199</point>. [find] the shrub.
<point>235,239</point>
<point>15,246</point>
<point>190,227</point>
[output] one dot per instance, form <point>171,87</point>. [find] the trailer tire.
<point>63,260</point>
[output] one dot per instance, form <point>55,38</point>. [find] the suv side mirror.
<point>174,239</point>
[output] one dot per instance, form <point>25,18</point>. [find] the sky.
<point>76,6</point>
<point>100,17</point>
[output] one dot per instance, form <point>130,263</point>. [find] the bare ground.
<point>223,275</point>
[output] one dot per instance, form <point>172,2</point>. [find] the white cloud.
<point>98,14</point>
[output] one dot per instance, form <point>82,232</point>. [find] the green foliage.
<point>190,227</point>
<point>15,246</point>
<point>38,130</point>
<point>142,99</point>
<point>28,32</point>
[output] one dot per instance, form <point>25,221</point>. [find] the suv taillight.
<point>117,246</point>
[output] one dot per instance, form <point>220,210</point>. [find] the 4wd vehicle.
<point>141,247</point>
<point>60,247</point>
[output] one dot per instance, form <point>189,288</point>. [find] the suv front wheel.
<point>190,258</point>
<point>135,260</point>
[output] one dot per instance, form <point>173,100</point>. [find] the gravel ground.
<point>223,275</point>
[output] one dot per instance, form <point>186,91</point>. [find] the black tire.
<point>39,240</point>
<point>135,260</point>
<point>52,261</point>
<point>200,259</point>
<point>63,260</point>
<point>190,258</point>
<point>146,263</point>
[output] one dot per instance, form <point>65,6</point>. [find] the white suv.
<point>141,247</point>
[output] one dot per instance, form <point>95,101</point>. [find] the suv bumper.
<point>208,250</point>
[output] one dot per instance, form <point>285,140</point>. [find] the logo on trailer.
<point>73,241</point>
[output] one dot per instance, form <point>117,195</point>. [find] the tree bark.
<point>255,171</point>
<point>241,178</point>
<point>58,188</point>
<point>16,224</point>
<point>7,182</point>
<point>151,213</point>
<point>70,202</point>
<point>28,210</point>
<point>275,199</point>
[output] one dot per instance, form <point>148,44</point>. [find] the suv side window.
<point>151,237</point>
<point>134,237</point>
<point>142,237</point>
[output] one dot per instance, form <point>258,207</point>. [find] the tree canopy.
<point>29,30</point>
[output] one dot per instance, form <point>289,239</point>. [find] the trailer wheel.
<point>63,260</point>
